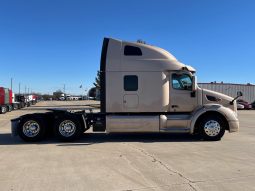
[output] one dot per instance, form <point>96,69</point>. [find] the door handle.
<point>124,101</point>
<point>175,106</point>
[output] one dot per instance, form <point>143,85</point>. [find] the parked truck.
<point>3,106</point>
<point>17,101</point>
<point>21,100</point>
<point>5,100</point>
<point>143,89</point>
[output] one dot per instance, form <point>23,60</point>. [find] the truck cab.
<point>146,89</point>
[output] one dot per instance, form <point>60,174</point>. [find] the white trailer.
<point>143,89</point>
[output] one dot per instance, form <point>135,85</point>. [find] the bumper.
<point>233,126</point>
<point>15,124</point>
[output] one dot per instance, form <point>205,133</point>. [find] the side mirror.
<point>194,83</point>
<point>239,94</point>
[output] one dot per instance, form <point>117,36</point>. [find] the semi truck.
<point>5,100</point>
<point>144,89</point>
<point>18,101</point>
<point>3,106</point>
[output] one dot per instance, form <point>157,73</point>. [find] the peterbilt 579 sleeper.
<point>143,89</point>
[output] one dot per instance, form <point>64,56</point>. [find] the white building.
<point>248,90</point>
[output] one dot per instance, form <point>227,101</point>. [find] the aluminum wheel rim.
<point>31,128</point>
<point>212,128</point>
<point>67,128</point>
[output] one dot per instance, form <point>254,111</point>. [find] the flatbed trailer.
<point>144,89</point>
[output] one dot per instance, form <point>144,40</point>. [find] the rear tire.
<point>9,108</point>
<point>212,128</point>
<point>3,109</point>
<point>22,105</point>
<point>31,129</point>
<point>67,128</point>
<point>15,106</point>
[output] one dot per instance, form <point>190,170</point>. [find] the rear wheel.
<point>31,129</point>
<point>15,106</point>
<point>9,107</point>
<point>67,128</point>
<point>3,109</point>
<point>212,128</point>
<point>22,105</point>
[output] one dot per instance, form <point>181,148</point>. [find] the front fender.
<point>229,115</point>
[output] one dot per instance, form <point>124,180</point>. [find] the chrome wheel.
<point>31,128</point>
<point>212,128</point>
<point>3,109</point>
<point>67,128</point>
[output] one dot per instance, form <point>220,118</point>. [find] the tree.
<point>92,92</point>
<point>97,80</point>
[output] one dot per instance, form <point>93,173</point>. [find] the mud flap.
<point>14,126</point>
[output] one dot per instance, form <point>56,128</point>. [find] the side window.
<point>132,51</point>
<point>181,82</point>
<point>131,83</point>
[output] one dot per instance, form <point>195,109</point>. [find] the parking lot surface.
<point>127,161</point>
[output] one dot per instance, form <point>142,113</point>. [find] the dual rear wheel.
<point>66,128</point>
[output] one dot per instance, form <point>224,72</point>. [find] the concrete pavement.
<point>128,161</point>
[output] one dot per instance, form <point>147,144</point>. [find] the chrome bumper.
<point>14,126</point>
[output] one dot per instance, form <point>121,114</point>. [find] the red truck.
<point>5,100</point>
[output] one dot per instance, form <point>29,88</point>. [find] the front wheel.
<point>67,128</point>
<point>212,128</point>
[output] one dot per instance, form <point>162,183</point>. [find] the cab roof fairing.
<point>153,58</point>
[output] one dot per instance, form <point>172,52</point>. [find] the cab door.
<point>182,99</point>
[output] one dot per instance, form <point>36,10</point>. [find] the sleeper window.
<point>130,83</point>
<point>132,51</point>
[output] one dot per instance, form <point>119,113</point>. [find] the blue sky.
<point>45,44</point>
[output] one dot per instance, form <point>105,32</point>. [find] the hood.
<point>212,97</point>
<point>217,94</point>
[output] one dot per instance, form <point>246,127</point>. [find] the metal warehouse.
<point>231,89</point>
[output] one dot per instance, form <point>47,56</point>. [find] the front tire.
<point>67,128</point>
<point>212,128</point>
<point>31,129</point>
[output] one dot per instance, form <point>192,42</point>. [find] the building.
<point>248,90</point>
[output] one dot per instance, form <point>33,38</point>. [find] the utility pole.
<point>25,90</point>
<point>64,88</point>
<point>19,88</point>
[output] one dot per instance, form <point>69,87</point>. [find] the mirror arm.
<point>231,103</point>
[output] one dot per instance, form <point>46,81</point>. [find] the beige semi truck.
<point>144,89</point>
